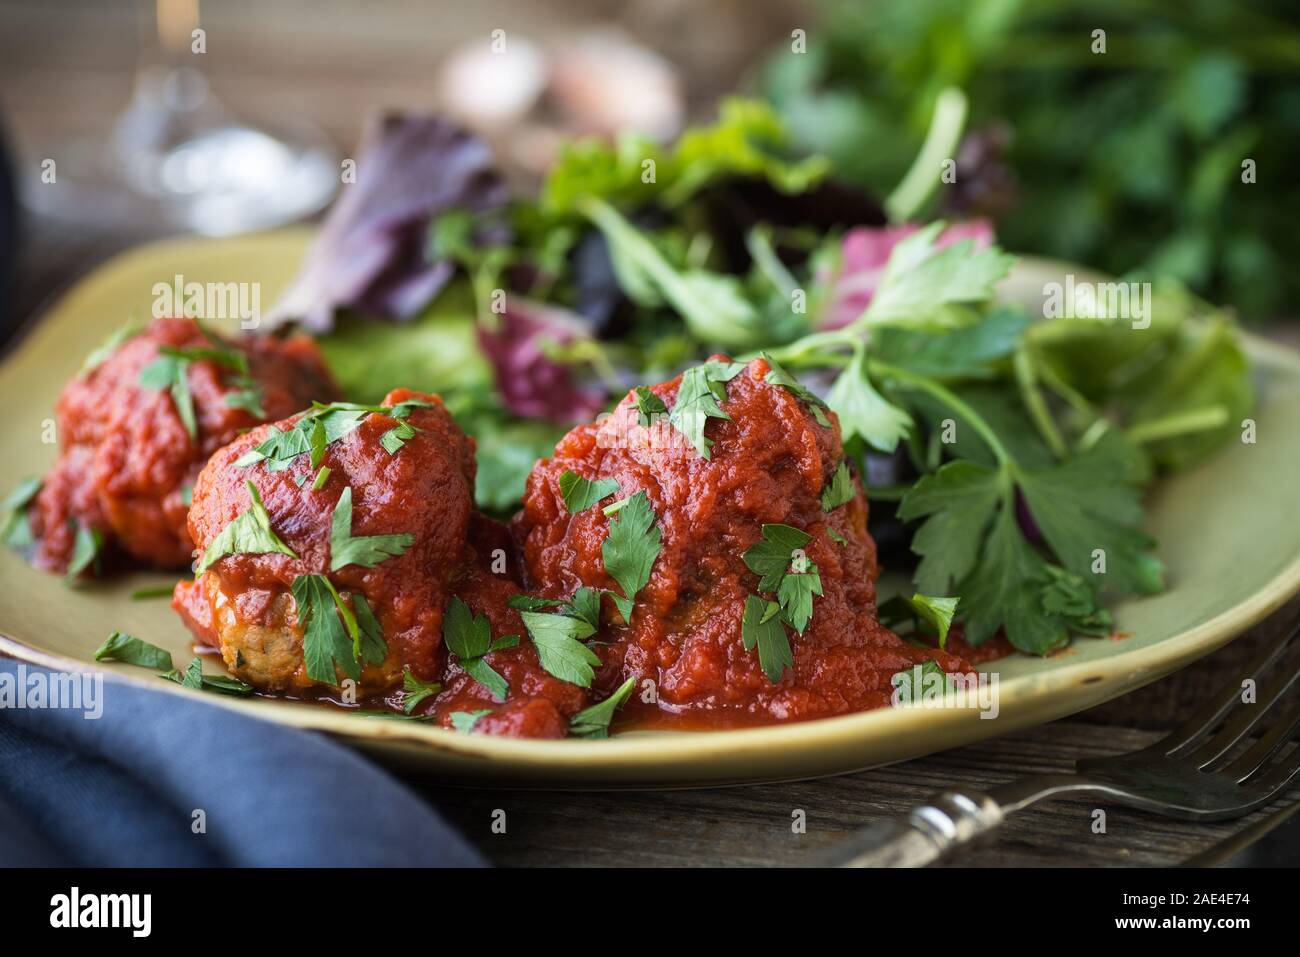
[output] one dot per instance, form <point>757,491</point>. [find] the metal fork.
<point>1192,774</point>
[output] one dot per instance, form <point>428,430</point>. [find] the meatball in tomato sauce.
<point>724,499</point>
<point>137,426</point>
<point>341,550</point>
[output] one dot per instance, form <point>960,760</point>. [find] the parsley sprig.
<point>839,490</point>
<point>416,690</point>
<point>972,537</point>
<point>170,372</point>
<point>334,634</point>
<point>133,651</point>
<point>321,426</point>
<point>16,531</point>
<point>594,722</point>
<point>249,533</point>
<point>630,549</point>
<point>194,678</point>
<point>558,636</point>
<point>581,493</point>
<point>469,638</point>
<point>87,551</point>
<point>1028,503</point>
<point>364,550</point>
<point>778,559</point>
<point>702,388</point>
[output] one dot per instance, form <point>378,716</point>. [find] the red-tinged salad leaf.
<point>532,383</point>
<point>370,254</point>
<point>864,253</point>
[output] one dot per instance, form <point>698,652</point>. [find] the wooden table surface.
<point>334,66</point>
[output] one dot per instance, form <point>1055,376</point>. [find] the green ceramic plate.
<point>1226,530</point>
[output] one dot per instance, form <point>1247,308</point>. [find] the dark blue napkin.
<point>123,789</point>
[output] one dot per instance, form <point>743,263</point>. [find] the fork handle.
<point>949,820</point>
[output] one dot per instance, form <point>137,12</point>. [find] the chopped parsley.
<point>464,721</point>
<point>762,628</point>
<point>194,678</point>
<point>133,651</point>
<point>702,388</point>
<point>581,494</point>
<point>594,722</point>
<point>416,690</point>
<point>839,490</point>
<point>249,533</point>
<point>558,640</point>
<point>325,644</point>
<point>110,345</point>
<point>167,373</point>
<point>648,406</point>
<point>368,640</point>
<point>333,635</point>
<point>630,549</point>
<point>153,591</point>
<point>795,593</point>
<point>795,580</point>
<point>16,532</point>
<point>397,436</point>
<point>320,426</point>
<point>469,638</point>
<point>911,681</point>
<point>249,399</point>
<point>938,612</point>
<point>87,548</point>
<point>365,550</point>
<point>170,372</point>
<point>777,376</point>
<point>585,605</point>
<point>280,448</point>
<point>770,557</point>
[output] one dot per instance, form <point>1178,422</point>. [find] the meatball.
<point>372,522</point>
<point>774,451</point>
<point>137,428</point>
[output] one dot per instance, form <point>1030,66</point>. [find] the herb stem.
<point>1182,423</point>
<point>1032,396</point>
<point>818,349</point>
<point>922,383</point>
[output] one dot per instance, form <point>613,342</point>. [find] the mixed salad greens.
<point>1006,451</point>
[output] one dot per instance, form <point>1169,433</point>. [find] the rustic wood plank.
<point>751,826</point>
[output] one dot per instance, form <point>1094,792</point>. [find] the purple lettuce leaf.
<point>370,253</point>
<point>531,383</point>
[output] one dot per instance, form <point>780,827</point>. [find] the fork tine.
<point>1246,717</point>
<point>1251,759</point>
<point>1276,777</point>
<point>1197,728</point>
